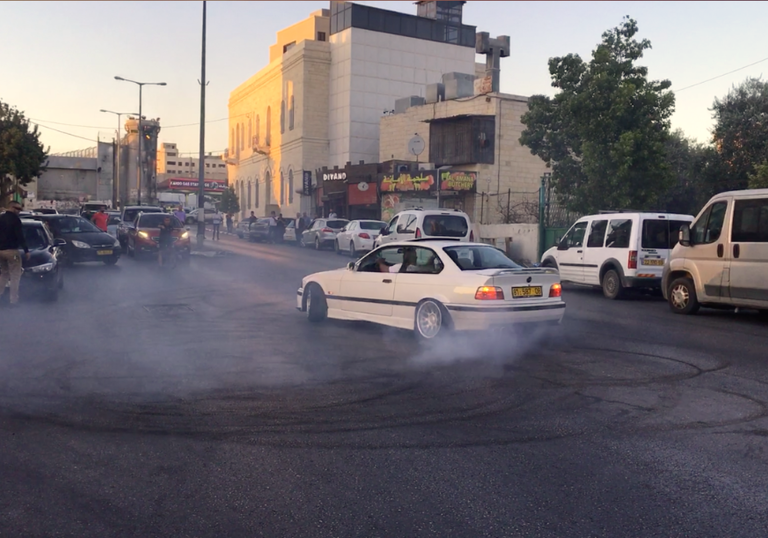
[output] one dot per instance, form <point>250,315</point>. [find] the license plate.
<point>526,291</point>
<point>652,261</point>
<point>103,252</point>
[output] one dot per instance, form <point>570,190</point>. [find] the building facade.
<point>171,163</point>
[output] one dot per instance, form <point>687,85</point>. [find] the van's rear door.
<point>658,236</point>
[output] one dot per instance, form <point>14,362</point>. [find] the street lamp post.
<point>140,141</point>
<point>116,189</point>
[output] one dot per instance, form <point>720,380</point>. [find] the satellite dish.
<point>416,145</point>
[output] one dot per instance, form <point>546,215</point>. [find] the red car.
<point>144,237</point>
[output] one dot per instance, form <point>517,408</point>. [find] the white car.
<point>435,223</point>
<point>358,236</point>
<point>432,286</point>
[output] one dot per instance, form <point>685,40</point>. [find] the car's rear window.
<point>472,258</point>
<point>445,226</point>
<point>154,220</point>
<point>336,223</point>
<point>372,225</point>
<point>661,233</point>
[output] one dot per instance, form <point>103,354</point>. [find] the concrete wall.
<point>69,178</point>
<point>525,239</point>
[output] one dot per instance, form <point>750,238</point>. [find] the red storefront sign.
<point>362,193</point>
<point>210,185</point>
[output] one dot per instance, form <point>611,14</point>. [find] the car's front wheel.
<point>337,248</point>
<point>315,303</point>
<point>431,320</point>
<point>682,296</point>
<point>352,250</point>
<point>318,246</point>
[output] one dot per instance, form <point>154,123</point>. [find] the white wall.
<point>525,239</point>
<point>369,72</point>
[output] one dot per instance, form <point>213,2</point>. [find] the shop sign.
<point>192,184</point>
<point>307,182</point>
<point>424,180</point>
<point>334,176</point>
<point>458,181</point>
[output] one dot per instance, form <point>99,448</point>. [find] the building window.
<point>282,188</point>
<point>321,36</point>
<point>249,195</point>
<point>290,186</point>
<point>242,137</point>
<point>258,128</point>
<point>171,154</point>
<point>289,93</point>
<point>256,192</point>
<point>268,133</point>
<point>171,162</point>
<point>207,165</point>
<point>250,131</point>
<point>282,116</point>
<point>237,141</point>
<point>267,188</point>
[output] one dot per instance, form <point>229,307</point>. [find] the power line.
<point>64,132</point>
<point>75,125</point>
<point>720,76</point>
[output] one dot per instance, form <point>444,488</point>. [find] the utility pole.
<point>201,167</point>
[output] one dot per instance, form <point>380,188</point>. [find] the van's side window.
<point>575,236</point>
<point>750,221</point>
<point>618,233</point>
<point>597,234</point>
<point>709,226</point>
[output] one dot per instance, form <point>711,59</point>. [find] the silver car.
<point>322,233</point>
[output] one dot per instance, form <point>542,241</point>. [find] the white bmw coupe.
<point>431,286</point>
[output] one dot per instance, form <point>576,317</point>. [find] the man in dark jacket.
<point>11,241</point>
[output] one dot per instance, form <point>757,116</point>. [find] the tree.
<point>604,133</point>
<point>759,180</point>
<point>229,203</point>
<point>688,161</point>
<point>22,156</point>
<point>741,133</point>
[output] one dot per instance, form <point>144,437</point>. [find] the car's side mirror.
<point>684,237</point>
<point>563,245</point>
<point>59,243</point>
<point>351,266</point>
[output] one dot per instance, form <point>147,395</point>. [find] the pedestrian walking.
<point>230,224</point>
<point>272,227</point>
<point>216,220</point>
<point>100,219</point>
<point>181,215</point>
<point>299,227</point>
<point>280,228</point>
<point>11,241</point>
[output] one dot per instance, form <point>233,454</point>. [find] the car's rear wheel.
<point>315,303</point>
<point>612,288</point>
<point>352,251</point>
<point>431,320</point>
<point>318,246</point>
<point>337,248</point>
<point>682,296</point>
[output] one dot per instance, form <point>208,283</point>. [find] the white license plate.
<point>652,261</point>
<point>103,252</point>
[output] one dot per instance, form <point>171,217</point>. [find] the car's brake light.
<point>363,236</point>
<point>418,233</point>
<point>327,231</point>
<point>632,261</point>
<point>489,293</point>
<point>555,290</point>
<point>471,236</point>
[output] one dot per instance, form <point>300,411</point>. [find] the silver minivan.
<point>722,258</point>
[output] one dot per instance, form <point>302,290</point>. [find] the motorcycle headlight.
<point>80,244</point>
<point>44,268</point>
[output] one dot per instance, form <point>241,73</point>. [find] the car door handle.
<point>720,251</point>
<point>387,281</point>
<point>736,251</point>
<point>579,251</point>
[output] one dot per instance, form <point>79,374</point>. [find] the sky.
<point>59,59</point>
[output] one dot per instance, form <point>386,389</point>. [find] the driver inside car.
<point>408,265</point>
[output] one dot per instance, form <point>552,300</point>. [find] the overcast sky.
<point>59,59</point>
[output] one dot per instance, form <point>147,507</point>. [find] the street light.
<point>116,189</point>
<point>140,167</point>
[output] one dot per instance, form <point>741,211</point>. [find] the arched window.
<point>242,137</point>
<point>267,188</point>
<point>250,133</point>
<point>282,116</point>
<point>282,188</point>
<point>232,140</point>
<point>268,133</point>
<point>258,128</point>
<point>256,192</point>
<point>290,106</point>
<point>290,186</point>
<point>249,195</point>
<point>237,141</point>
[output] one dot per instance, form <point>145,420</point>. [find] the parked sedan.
<point>259,231</point>
<point>144,236</point>
<point>42,274</point>
<point>433,287</point>
<point>358,236</point>
<point>322,233</point>
<point>242,228</point>
<point>84,242</point>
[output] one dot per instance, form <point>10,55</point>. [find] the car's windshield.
<point>46,211</point>
<point>35,237</point>
<point>470,258</point>
<point>154,220</point>
<point>336,224</point>
<point>72,225</point>
<point>445,226</point>
<point>372,225</point>
<point>661,233</point>
<point>130,214</point>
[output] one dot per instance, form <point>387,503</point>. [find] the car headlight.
<point>143,234</point>
<point>185,235</point>
<point>44,268</point>
<point>80,244</point>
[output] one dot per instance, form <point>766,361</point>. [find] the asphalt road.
<point>201,403</point>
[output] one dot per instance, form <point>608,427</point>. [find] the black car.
<point>84,241</point>
<point>259,231</point>
<point>129,215</point>
<point>42,274</point>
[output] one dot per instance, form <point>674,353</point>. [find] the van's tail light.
<point>327,231</point>
<point>555,290</point>
<point>472,236</point>
<point>363,236</point>
<point>489,293</point>
<point>418,233</point>
<point>632,261</point>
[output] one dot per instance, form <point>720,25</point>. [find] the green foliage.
<point>759,180</point>
<point>688,161</point>
<point>21,154</point>
<point>229,202</point>
<point>741,133</point>
<point>605,133</point>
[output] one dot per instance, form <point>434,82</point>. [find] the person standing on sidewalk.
<point>11,241</point>
<point>216,225</point>
<point>298,227</point>
<point>272,227</point>
<point>181,215</point>
<point>100,219</point>
<point>230,224</point>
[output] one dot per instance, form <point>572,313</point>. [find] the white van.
<point>722,259</point>
<point>617,250</point>
<point>423,223</point>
